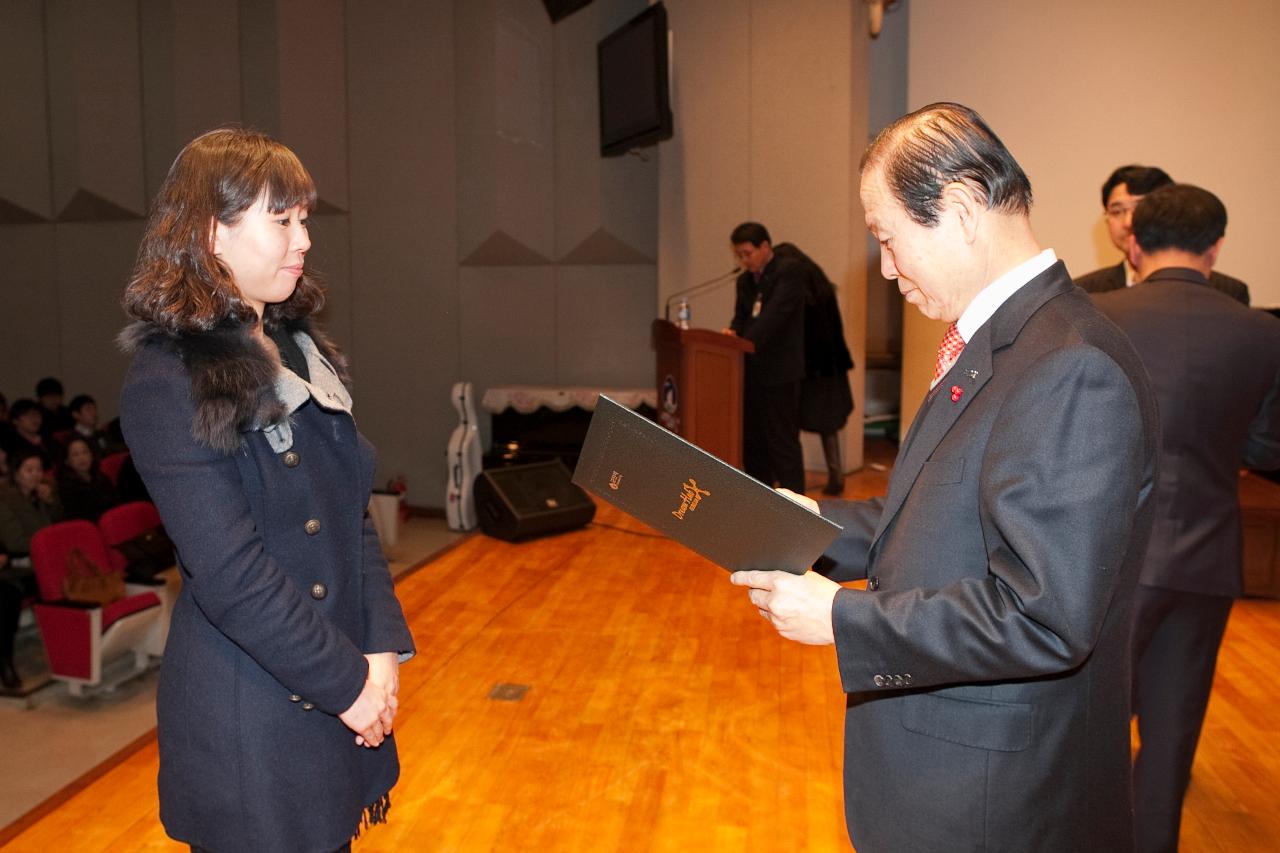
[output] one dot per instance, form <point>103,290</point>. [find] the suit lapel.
<point>960,387</point>
<point>955,393</point>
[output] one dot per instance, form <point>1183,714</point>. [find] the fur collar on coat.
<point>232,376</point>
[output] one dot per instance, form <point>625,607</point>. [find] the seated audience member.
<point>129,485</point>
<point>85,491</point>
<point>1215,367</point>
<point>11,595</point>
<point>25,414</point>
<point>1120,195</point>
<point>6,427</point>
<point>57,417</point>
<point>84,411</point>
<point>113,437</point>
<point>28,502</point>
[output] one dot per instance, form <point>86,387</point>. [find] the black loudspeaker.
<point>559,9</point>
<point>530,500</point>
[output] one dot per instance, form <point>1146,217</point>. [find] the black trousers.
<point>771,433</point>
<point>1176,636</point>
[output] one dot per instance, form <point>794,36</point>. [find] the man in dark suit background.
<point>769,312</point>
<point>986,662</point>
<point>1215,367</point>
<point>1120,195</point>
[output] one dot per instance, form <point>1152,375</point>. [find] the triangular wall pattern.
<point>601,247</point>
<point>90,207</point>
<point>12,214</point>
<point>503,250</point>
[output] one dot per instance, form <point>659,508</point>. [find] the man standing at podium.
<point>985,665</point>
<point>769,312</point>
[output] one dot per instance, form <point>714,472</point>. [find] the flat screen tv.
<point>635,109</point>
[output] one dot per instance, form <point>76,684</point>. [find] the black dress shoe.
<point>834,486</point>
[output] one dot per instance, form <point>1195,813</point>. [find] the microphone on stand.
<point>709,284</point>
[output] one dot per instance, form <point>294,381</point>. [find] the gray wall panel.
<point>96,106</point>
<point>94,260</point>
<point>190,75</point>
<point>313,94</point>
<point>508,326</point>
<point>505,121</point>
<point>259,65</point>
<point>603,315</point>
<point>24,142</point>
<point>404,299</point>
<point>29,345</point>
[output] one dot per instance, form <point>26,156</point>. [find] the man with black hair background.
<point>769,312</point>
<point>1120,195</point>
<point>57,417</point>
<point>1215,368</point>
<point>84,412</point>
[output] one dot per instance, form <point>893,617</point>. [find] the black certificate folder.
<point>693,497</point>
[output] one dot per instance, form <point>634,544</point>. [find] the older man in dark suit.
<point>1121,193</point>
<point>769,312</point>
<point>986,663</point>
<point>1215,367</point>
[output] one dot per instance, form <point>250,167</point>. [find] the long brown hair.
<point>177,283</point>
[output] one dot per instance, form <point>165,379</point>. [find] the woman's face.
<point>29,474</point>
<point>264,252</point>
<point>79,458</point>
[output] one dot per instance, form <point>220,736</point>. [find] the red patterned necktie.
<point>948,351</point>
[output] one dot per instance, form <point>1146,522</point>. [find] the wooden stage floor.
<point>662,714</point>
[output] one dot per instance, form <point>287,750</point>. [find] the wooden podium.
<point>700,387</point>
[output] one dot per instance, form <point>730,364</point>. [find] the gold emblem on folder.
<point>615,480</point>
<point>690,497</point>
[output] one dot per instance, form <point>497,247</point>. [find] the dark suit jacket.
<point>778,332</point>
<point>986,665</point>
<point>1112,278</point>
<point>825,350</point>
<point>1215,368</point>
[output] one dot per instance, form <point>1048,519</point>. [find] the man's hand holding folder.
<point>799,606</point>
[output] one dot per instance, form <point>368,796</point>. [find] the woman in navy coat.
<point>278,689</point>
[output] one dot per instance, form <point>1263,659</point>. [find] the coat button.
<point>319,591</point>
<point>307,706</point>
<point>294,697</point>
<point>291,459</point>
<point>873,583</point>
<point>312,526</point>
<point>879,680</point>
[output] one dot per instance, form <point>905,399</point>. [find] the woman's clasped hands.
<point>374,710</point>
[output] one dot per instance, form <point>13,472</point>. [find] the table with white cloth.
<point>536,422</point>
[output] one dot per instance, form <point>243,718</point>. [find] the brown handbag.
<point>87,582</point>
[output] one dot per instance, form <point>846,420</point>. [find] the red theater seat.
<point>80,638</point>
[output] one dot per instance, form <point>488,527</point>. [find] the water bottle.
<point>683,314</point>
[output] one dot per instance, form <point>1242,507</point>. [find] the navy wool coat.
<point>262,482</point>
